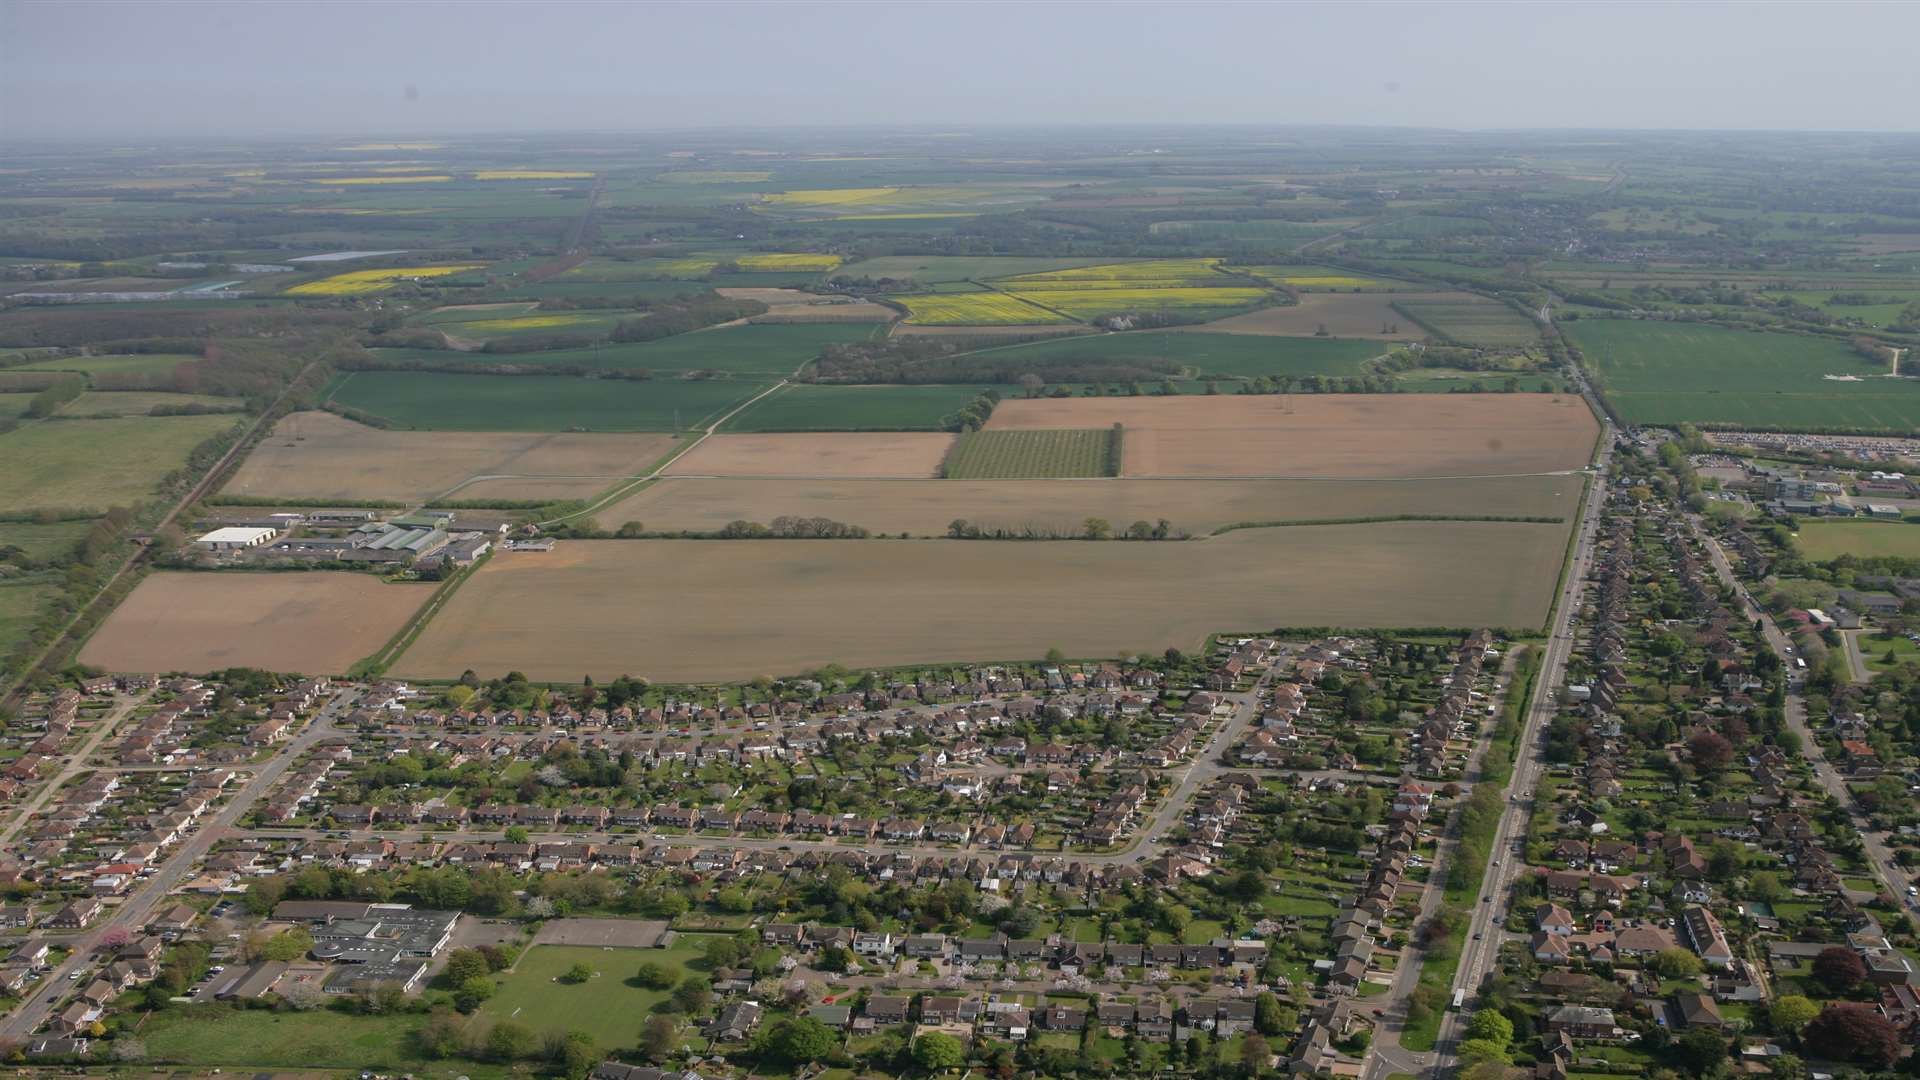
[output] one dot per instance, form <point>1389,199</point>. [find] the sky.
<point>109,69</point>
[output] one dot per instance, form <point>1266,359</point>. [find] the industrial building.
<point>235,538</point>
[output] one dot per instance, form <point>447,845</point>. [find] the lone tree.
<point>1839,968</point>
<point>936,1051</point>
<point>1846,1031</point>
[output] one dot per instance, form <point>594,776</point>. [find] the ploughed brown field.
<point>926,507</point>
<point>1328,435</point>
<point>316,622</point>
<point>690,610</point>
<point>1343,315</point>
<point>320,456</point>
<point>793,305</point>
<point>908,454</point>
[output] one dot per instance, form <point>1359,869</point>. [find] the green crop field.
<point>765,348</point>
<point>1210,354</point>
<point>1030,455</point>
<point>1823,540</point>
<point>97,464</point>
<point>607,1006</point>
<point>1670,373</point>
<point>434,401</point>
<point>20,603</point>
<point>808,407</point>
<point>1475,321</point>
<point>143,364</point>
<point>42,541</point>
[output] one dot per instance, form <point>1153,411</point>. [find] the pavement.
<point>138,906</point>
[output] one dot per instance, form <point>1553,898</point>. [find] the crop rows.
<point>1032,455</point>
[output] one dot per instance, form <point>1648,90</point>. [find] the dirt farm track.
<point>314,622</point>
<point>689,610</point>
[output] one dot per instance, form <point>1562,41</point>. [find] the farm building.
<point>235,538</point>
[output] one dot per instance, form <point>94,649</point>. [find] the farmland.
<point>728,609</point>
<point>97,464</point>
<point>1823,540</point>
<point>318,456</point>
<point>1469,319</point>
<point>926,507</point>
<point>360,282</point>
<point>1662,373</point>
<point>1032,454</point>
<point>1092,302</point>
<point>930,269</point>
<point>431,401</point>
<point>766,349</point>
<point>319,622</point>
<point>1337,315</point>
<point>906,454</point>
<point>974,309</point>
<point>1318,278</point>
<point>1328,435</point>
<point>1203,353</point>
<point>853,408</point>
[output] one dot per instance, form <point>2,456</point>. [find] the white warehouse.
<point>235,537</point>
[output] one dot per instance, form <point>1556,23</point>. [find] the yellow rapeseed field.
<point>356,282</point>
<point>973,309</point>
<point>358,180</point>
<point>1091,303</point>
<point>524,322</point>
<point>529,174</point>
<point>832,196</point>
<point>1145,272</point>
<point>1310,277</point>
<point>772,261</point>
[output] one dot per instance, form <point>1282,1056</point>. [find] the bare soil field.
<point>689,610</point>
<point>314,622</point>
<point>318,455</point>
<point>885,454</point>
<point>926,507</point>
<point>1328,435</point>
<point>1369,316</point>
<point>794,305</point>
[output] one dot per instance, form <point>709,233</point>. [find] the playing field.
<point>315,622</point>
<point>1823,540</point>
<point>96,464</point>
<point>1324,314</point>
<point>316,456</point>
<point>1031,454</point>
<point>608,1006</point>
<point>808,407</point>
<point>434,401</point>
<point>1669,373</point>
<point>905,454</point>
<point>1469,319</point>
<point>1328,435</point>
<point>683,610</point>
<point>927,507</point>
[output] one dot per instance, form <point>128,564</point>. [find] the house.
<point>735,1023</point>
<point>888,1008</point>
<point>1705,937</point>
<point>1553,919</point>
<point>77,914</point>
<point>1691,1010</point>
<point>1582,1022</point>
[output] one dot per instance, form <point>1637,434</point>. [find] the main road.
<point>138,907</point>
<point>1484,934</point>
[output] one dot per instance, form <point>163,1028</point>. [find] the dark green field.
<point>1211,354</point>
<point>1670,373</point>
<point>430,400</point>
<point>854,408</point>
<point>773,349</point>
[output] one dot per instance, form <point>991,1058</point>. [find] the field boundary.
<point>377,662</point>
<point>1500,519</point>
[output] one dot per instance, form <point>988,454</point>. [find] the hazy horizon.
<point>159,69</point>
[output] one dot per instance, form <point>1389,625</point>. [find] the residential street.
<point>76,762</point>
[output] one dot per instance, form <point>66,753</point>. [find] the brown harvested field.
<point>925,507</point>
<point>795,305</point>
<point>1328,435</point>
<point>1344,315</point>
<point>315,622</point>
<point>321,456</point>
<point>693,610</point>
<point>884,454</point>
